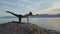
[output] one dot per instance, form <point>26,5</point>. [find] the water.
<point>47,23</point>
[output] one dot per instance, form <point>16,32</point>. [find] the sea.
<point>47,23</point>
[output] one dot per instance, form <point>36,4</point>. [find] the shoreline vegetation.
<point>23,28</point>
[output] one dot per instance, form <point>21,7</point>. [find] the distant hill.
<point>8,17</point>
<point>46,16</point>
<point>37,16</point>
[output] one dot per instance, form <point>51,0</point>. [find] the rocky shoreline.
<point>23,28</point>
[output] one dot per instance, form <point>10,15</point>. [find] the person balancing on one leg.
<point>19,16</point>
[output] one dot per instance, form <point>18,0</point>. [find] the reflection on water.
<point>48,23</point>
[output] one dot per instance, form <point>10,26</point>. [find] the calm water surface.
<point>48,23</point>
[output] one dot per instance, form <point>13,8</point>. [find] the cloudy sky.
<point>26,6</point>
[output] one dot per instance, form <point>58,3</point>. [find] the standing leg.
<point>27,19</point>
<point>19,20</point>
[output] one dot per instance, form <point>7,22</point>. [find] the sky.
<point>26,6</point>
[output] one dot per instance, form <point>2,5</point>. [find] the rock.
<point>21,28</point>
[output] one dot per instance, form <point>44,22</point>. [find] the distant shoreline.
<point>38,17</point>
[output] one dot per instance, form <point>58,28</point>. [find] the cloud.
<point>33,6</point>
<point>53,9</point>
<point>56,5</point>
<point>18,6</point>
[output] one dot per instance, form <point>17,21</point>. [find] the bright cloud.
<point>53,9</point>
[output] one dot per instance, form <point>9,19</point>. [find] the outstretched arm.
<point>12,13</point>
